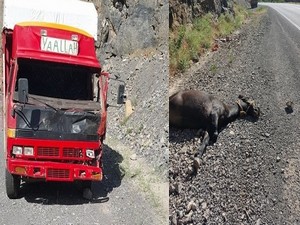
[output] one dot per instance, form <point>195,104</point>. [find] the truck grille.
<point>55,152</point>
<point>72,152</point>
<point>58,173</point>
<point>48,151</point>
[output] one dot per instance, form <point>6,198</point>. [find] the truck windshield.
<point>57,80</point>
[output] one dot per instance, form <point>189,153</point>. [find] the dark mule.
<point>199,110</point>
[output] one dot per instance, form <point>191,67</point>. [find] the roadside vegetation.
<point>188,43</point>
<point>277,1</point>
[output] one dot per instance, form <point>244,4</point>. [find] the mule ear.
<point>251,102</point>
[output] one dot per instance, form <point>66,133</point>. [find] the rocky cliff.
<point>133,45</point>
<point>185,11</point>
<point>127,25</point>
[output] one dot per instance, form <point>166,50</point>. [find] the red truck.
<point>54,96</point>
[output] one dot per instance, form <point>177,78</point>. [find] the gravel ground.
<point>251,174</point>
<point>146,130</point>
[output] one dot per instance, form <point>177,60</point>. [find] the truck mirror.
<point>121,94</point>
<point>23,90</point>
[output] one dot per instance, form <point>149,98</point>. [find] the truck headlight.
<point>28,150</point>
<point>90,153</point>
<point>17,150</point>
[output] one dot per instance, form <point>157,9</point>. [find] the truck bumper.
<point>53,171</point>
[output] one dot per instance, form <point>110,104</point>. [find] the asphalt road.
<point>290,12</point>
<point>280,56</point>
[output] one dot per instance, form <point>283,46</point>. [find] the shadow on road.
<point>65,193</point>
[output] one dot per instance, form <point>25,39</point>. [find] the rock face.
<point>127,25</point>
<point>133,46</point>
<point>184,12</point>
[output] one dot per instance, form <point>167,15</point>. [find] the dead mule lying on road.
<point>199,110</point>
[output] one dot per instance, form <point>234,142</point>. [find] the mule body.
<point>199,110</point>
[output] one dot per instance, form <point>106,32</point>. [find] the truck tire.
<point>85,187</point>
<point>12,183</point>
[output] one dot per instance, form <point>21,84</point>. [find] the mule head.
<point>249,107</point>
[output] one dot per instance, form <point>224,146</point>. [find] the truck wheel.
<point>86,189</point>
<point>12,183</point>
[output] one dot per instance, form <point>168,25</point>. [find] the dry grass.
<point>188,43</point>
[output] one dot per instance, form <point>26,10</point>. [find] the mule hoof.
<point>190,170</point>
<point>196,164</point>
<point>214,137</point>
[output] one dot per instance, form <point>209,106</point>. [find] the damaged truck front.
<point>54,97</point>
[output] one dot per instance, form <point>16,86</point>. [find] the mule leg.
<point>214,127</point>
<point>203,145</point>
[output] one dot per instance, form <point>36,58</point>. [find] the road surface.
<point>290,12</point>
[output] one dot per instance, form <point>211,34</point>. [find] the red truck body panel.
<point>27,44</point>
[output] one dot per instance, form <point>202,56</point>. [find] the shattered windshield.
<point>52,82</point>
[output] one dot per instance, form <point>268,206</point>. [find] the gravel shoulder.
<point>251,174</point>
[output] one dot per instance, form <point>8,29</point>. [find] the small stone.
<point>191,206</point>
<point>224,216</point>
<point>133,157</point>
<point>174,220</point>
<point>204,205</point>
<point>172,189</point>
<point>162,140</point>
<point>183,150</point>
<point>206,214</point>
<point>178,188</point>
<point>190,170</point>
<point>180,214</point>
<point>258,222</point>
<point>278,159</point>
<point>188,217</point>
<point>128,108</point>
